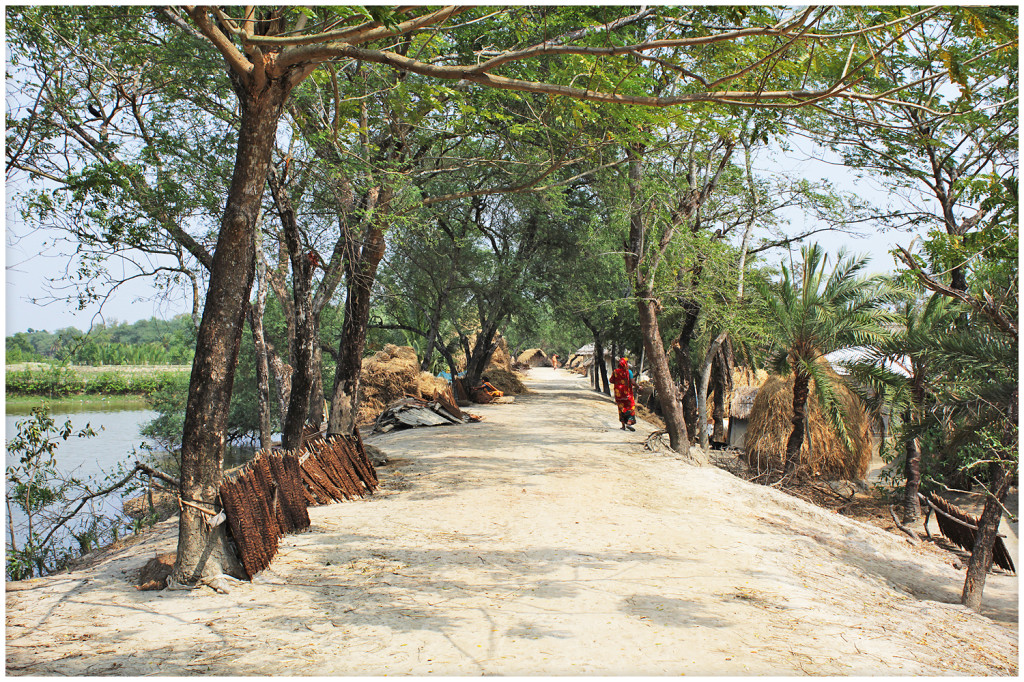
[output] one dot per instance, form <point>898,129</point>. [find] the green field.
<point>78,382</point>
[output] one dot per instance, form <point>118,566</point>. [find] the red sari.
<point>623,383</point>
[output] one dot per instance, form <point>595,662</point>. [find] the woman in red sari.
<point>622,380</point>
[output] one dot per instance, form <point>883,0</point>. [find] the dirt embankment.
<point>543,540</point>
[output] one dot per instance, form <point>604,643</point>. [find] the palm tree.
<point>814,312</point>
<point>899,371</point>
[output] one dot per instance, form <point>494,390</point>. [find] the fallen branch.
<point>157,474</point>
<point>905,529</point>
<point>85,498</point>
<point>651,438</point>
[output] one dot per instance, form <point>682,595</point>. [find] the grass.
<point>23,404</point>
<point>55,382</point>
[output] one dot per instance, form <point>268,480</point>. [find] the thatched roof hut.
<point>823,453</point>
<point>534,357</point>
<point>740,407</point>
<point>742,402</point>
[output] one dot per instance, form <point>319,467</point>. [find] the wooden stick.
<point>905,529</point>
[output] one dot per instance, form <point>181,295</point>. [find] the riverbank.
<point>58,382</point>
<point>23,404</point>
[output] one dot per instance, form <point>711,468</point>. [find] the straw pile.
<point>390,374</point>
<point>504,380</point>
<point>823,454</point>
<point>500,359</point>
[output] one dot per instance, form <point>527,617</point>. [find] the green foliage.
<point>36,487</point>
<point>59,381</point>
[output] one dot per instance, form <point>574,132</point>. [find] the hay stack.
<point>504,380</point>
<point>534,357</point>
<point>501,359</point>
<point>387,376</point>
<point>824,456</point>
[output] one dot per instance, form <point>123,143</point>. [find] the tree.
<point>814,312</point>
<point>901,372</point>
<point>980,395</point>
<point>949,153</point>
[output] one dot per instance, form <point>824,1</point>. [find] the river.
<point>117,434</point>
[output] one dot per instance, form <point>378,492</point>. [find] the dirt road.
<point>541,541</point>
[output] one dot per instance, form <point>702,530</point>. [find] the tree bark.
<point>481,353</point>
<point>668,394</point>
<point>362,272</point>
<point>985,539</point>
<point>262,370</point>
<point>801,390</point>
<point>202,551</point>
<point>305,339</point>
<point>912,471</point>
<point>912,465</point>
<point>602,367</point>
<point>722,377</point>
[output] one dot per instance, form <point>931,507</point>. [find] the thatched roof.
<point>534,357</point>
<point>742,402</point>
<point>823,453</point>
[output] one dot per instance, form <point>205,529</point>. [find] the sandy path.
<point>541,541</point>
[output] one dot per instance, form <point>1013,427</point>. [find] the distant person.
<point>554,361</point>
<point>622,380</point>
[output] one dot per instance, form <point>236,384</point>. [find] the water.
<point>117,433</point>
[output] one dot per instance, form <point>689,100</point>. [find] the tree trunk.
<point>912,471</point>
<point>204,552</point>
<point>985,539</point>
<point>262,376</point>
<point>684,365</point>
<point>260,347</point>
<point>725,361</point>
<point>912,465</point>
<point>345,398</point>
<point>668,394</point>
<point>481,353</point>
<point>801,390</point>
<point>316,393</point>
<point>702,392</point>
<point>647,307</point>
<point>305,339</point>
<point>603,369</point>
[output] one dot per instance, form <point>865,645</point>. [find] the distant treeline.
<point>146,342</point>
